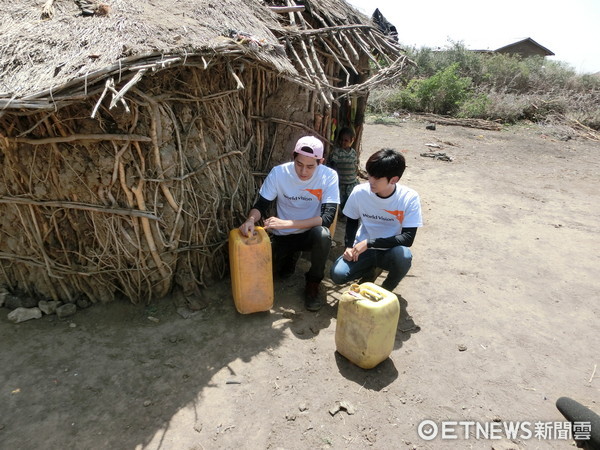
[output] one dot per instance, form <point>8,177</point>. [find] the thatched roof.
<point>55,50</point>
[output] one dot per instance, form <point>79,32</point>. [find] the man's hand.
<point>275,223</point>
<point>352,254</point>
<point>247,228</point>
<point>348,254</point>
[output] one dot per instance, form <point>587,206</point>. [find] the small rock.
<point>19,315</point>
<point>83,303</point>
<point>302,407</point>
<point>185,312</point>
<point>342,406</point>
<point>147,403</point>
<point>14,301</point>
<point>48,306</point>
<point>462,347</point>
<point>66,310</point>
<point>430,126</point>
<point>72,325</point>
<point>290,417</point>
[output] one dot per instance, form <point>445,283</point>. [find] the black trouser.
<point>286,250</point>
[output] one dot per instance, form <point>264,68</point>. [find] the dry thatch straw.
<point>133,142</point>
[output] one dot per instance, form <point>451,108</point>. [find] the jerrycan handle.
<point>371,294</point>
<point>253,239</point>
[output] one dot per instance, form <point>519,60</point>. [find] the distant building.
<point>524,48</point>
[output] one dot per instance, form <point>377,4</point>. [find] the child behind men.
<point>344,160</point>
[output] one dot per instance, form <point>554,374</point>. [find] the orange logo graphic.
<point>316,192</point>
<point>399,214</point>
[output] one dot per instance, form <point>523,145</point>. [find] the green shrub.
<point>464,83</point>
<point>430,61</point>
<point>476,106</point>
<point>441,93</point>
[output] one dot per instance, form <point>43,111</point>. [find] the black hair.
<point>307,150</point>
<point>387,163</point>
<point>347,131</point>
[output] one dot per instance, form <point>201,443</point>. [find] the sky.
<point>570,29</point>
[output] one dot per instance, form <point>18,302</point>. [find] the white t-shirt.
<point>383,217</point>
<point>298,199</point>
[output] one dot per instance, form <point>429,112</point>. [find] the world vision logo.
<point>397,214</point>
<point>316,192</point>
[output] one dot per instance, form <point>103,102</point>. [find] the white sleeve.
<point>269,188</point>
<point>412,213</point>
<point>351,209</point>
<point>331,193</point>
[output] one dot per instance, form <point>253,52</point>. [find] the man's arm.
<point>328,211</point>
<point>351,229</point>
<point>325,219</point>
<point>259,210</point>
<point>406,239</point>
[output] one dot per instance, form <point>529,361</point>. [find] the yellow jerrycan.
<point>367,320</point>
<point>251,271</point>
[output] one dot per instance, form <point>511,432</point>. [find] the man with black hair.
<point>382,221</point>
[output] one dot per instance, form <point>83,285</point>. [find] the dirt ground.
<point>499,318</point>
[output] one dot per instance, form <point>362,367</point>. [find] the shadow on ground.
<point>112,377</point>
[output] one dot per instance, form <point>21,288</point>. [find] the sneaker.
<point>312,300</point>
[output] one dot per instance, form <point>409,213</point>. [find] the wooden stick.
<point>79,206</point>
<point>48,10</point>
<point>593,373</point>
<point>286,9</point>
<point>343,50</point>
<point>365,48</point>
<point>290,123</point>
<point>82,137</point>
<point>332,53</point>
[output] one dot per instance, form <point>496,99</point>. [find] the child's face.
<point>346,141</point>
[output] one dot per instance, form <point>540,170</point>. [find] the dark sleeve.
<point>351,229</point>
<point>406,239</point>
<point>263,205</point>
<point>328,213</point>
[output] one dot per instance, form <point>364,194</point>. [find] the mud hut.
<point>134,133</point>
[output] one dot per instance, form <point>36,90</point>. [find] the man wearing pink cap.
<point>306,195</point>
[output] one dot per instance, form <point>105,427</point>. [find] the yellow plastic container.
<point>251,271</point>
<point>367,320</point>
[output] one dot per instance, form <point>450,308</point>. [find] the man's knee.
<point>401,255</point>
<point>320,233</point>
<point>339,272</point>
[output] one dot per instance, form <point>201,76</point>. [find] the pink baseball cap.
<point>312,143</point>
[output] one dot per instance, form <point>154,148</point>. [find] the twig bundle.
<point>134,203</point>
